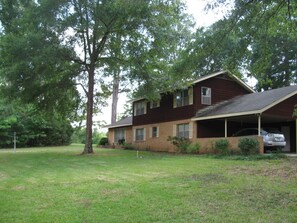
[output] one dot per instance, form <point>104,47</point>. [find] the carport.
<point>272,108</point>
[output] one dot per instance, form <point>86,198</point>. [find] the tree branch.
<point>84,89</point>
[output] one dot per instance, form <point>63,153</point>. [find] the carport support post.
<point>226,128</point>
<point>259,124</point>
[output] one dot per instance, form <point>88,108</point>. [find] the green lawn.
<point>58,185</point>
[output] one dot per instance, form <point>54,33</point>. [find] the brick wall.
<point>207,144</point>
<point>160,143</point>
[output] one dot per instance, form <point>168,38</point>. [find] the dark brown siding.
<point>222,88</point>
<point>165,112</point>
<point>283,109</point>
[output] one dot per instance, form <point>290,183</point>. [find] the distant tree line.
<point>32,128</point>
<point>79,136</point>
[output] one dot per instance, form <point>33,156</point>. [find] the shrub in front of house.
<point>103,141</point>
<point>249,146</point>
<point>222,146</point>
<point>128,146</point>
<point>193,148</point>
<point>180,143</point>
<point>184,145</point>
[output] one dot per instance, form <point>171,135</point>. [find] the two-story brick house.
<point>215,105</point>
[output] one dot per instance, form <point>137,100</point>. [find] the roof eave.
<point>227,115</point>
<point>117,126</point>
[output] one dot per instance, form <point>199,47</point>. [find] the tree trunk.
<point>115,96</point>
<point>90,104</point>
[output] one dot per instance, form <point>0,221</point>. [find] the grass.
<point>58,185</point>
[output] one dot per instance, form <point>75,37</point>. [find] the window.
<point>182,98</point>
<point>154,132</point>
<point>139,134</point>
<point>206,96</point>
<point>183,130</point>
<point>119,135</point>
<point>139,108</point>
<point>154,104</point>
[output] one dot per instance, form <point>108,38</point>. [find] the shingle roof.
<point>122,123</point>
<point>246,104</point>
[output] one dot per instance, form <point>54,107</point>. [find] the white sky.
<point>202,18</point>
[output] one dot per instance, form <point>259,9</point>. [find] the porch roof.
<point>254,103</point>
<point>122,123</point>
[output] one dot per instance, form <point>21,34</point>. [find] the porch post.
<point>226,128</point>
<point>259,124</point>
<point>296,135</point>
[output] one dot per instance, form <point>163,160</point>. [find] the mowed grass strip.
<point>59,185</point>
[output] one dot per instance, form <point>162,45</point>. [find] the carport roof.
<point>254,103</point>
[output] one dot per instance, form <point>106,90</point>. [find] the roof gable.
<point>227,74</point>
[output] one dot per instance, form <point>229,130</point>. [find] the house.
<point>214,106</point>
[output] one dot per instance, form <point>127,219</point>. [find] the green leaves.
<point>257,38</point>
<point>33,128</point>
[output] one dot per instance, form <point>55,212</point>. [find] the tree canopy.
<point>49,47</point>
<point>258,38</point>
<point>32,127</point>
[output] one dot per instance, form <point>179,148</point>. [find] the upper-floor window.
<point>155,104</point>
<point>183,98</point>
<point>139,108</point>
<point>206,96</point>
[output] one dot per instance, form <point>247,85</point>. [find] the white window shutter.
<point>134,106</point>
<point>144,134</point>
<point>174,131</point>
<point>158,131</point>
<point>134,135</point>
<point>151,132</point>
<point>145,107</point>
<point>190,92</point>
<point>191,130</point>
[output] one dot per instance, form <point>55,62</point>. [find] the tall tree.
<point>255,37</point>
<point>78,34</point>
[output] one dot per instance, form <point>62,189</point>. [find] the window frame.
<point>185,130</point>
<point>154,104</point>
<point>140,108</point>
<point>154,134</point>
<point>182,98</point>
<point>205,98</point>
<point>116,139</point>
<point>137,139</point>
